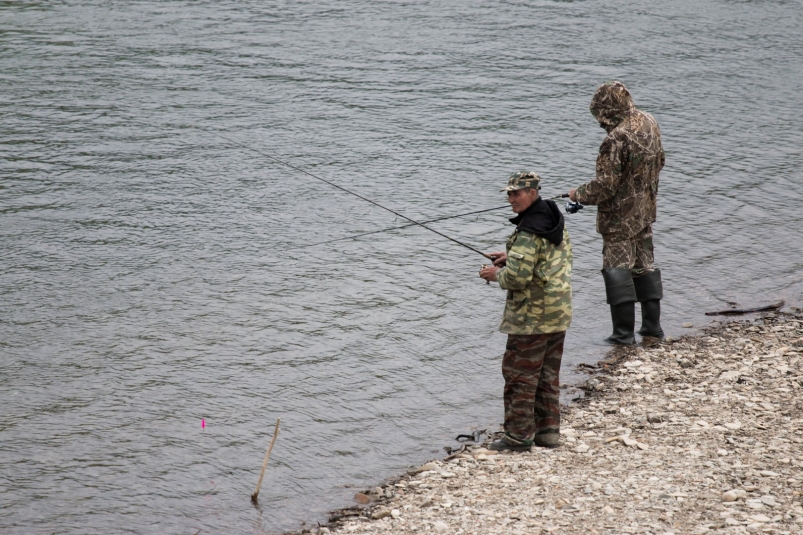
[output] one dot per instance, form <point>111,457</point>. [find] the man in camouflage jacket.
<point>536,271</point>
<point>625,190</point>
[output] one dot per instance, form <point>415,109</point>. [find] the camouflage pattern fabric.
<point>537,278</point>
<point>531,368</point>
<point>521,180</point>
<point>634,253</point>
<point>629,160</point>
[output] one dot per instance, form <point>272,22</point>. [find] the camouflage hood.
<point>542,218</point>
<point>611,104</point>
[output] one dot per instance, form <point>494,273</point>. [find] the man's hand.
<point>489,273</point>
<point>573,194</point>
<point>499,258</point>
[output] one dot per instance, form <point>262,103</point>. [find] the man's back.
<point>630,159</point>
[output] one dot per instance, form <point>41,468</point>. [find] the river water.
<point>154,275</point>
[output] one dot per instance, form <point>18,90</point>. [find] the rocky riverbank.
<point>697,435</point>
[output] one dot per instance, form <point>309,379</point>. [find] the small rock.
<point>323,531</point>
<point>769,500</point>
<point>740,493</point>
<point>395,513</point>
<point>440,526</point>
<point>608,510</point>
<point>687,325</point>
<point>378,515</point>
<point>582,448</point>
<point>734,425</point>
<point>362,499</point>
<point>760,518</point>
<point>686,363</point>
<point>655,418</point>
<point>508,480</point>
<point>722,452</point>
<point>729,496</point>
<point>424,468</point>
<point>768,473</point>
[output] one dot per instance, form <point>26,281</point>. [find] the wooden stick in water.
<point>265,462</point>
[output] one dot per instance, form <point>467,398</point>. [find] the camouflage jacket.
<point>629,160</point>
<point>537,278</point>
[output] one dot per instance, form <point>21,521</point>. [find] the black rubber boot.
<point>649,292</point>
<point>621,294</point>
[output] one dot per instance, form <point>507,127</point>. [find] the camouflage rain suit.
<point>538,310</point>
<point>626,185</point>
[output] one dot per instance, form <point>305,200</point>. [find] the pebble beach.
<point>696,435</point>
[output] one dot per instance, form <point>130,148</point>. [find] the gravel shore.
<point>697,435</point>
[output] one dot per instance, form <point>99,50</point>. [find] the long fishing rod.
<point>341,188</point>
<point>405,226</point>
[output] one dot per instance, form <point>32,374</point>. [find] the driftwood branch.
<point>737,311</point>
<point>265,462</point>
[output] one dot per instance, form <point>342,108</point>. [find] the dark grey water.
<point>153,274</point>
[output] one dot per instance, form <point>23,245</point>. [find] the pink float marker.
<point>203,423</point>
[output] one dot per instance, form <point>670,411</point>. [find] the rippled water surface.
<point>154,274</point>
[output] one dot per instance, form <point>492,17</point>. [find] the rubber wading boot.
<point>621,294</point>
<point>649,292</point>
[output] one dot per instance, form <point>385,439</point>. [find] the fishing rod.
<point>341,188</point>
<point>571,207</point>
<point>405,226</point>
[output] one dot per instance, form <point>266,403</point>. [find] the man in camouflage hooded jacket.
<point>536,271</point>
<point>625,190</point>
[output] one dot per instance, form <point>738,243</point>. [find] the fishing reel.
<point>572,207</point>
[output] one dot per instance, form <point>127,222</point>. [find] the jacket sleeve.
<point>610,163</point>
<point>521,261</point>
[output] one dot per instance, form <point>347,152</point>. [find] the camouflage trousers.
<point>531,368</point>
<point>633,253</point>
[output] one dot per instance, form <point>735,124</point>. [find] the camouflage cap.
<point>521,180</point>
